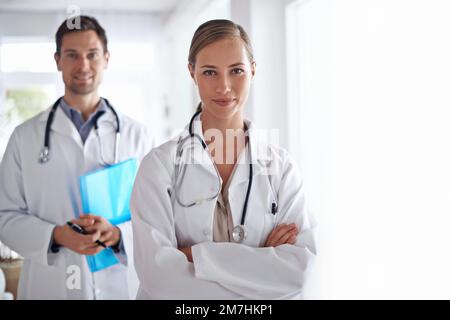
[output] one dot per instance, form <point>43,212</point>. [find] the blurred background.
<point>358,89</point>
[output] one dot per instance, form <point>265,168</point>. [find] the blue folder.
<point>106,192</point>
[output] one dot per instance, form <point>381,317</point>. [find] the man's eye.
<point>237,71</point>
<point>209,72</point>
<point>92,55</point>
<point>71,55</point>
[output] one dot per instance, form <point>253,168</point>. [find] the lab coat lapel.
<point>62,125</point>
<point>107,123</point>
<point>202,156</point>
<point>239,183</point>
<point>200,181</point>
<point>257,148</point>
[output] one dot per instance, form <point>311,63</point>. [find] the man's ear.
<point>191,71</point>
<point>57,58</point>
<point>107,59</point>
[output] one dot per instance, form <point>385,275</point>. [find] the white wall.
<point>179,90</point>
<point>374,75</point>
<point>269,95</point>
<point>310,125</point>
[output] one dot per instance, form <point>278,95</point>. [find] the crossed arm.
<point>281,234</point>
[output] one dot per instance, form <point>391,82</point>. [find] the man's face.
<point>82,61</point>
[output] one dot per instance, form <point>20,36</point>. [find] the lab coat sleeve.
<point>264,273</point>
<point>163,270</point>
<point>24,233</point>
<point>125,255</point>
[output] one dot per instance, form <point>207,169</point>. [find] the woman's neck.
<point>225,137</point>
<point>209,122</point>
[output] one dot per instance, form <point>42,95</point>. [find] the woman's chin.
<point>223,112</point>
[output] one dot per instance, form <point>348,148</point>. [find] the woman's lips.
<point>224,102</point>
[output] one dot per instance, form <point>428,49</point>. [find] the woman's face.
<point>223,74</point>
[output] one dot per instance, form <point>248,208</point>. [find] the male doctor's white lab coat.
<point>219,270</point>
<point>36,197</point>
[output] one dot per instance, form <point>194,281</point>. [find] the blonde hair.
<point>214,30</point>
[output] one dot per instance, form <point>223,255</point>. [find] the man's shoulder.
<point>34,122</point>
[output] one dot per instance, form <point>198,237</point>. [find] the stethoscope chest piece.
<point>239,233</point>
<point>44,155</point>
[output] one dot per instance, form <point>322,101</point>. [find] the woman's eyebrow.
<point>236,64</point>
<point>230,66</point>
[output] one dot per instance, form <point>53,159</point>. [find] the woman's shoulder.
<point>161,155</point>
<point>273,154</point>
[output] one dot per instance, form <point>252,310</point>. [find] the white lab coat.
<point>36,197</point>
<point>219,270</point>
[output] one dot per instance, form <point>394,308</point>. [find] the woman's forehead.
<point>225,51</point>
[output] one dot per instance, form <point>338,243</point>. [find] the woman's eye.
<point>209,72</point>
<point>237,71</point>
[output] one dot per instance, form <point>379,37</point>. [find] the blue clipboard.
<point>106,192</point>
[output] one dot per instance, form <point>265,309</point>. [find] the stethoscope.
<point>239,232</point>
<point>44,156</point>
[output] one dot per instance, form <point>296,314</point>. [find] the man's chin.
<point>82,90</point>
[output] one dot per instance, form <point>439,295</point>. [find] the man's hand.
<point>188,253</point>
<point>282,234</point>
<point>79,243</point>
<point>97,228</point>
<point>110,235</point>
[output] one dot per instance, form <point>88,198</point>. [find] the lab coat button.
<point>206,232</point>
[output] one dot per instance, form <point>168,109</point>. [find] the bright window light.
<point>27,57</point>
<point>131,57</point>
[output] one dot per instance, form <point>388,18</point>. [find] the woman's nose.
<point>223,85</point>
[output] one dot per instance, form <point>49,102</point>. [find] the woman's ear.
<point>191,71</point>
<point>253,69</point>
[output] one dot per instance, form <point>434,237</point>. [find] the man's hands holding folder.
<point>96,227</point>
<point>110,235</point>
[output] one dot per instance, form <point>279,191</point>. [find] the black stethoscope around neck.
<point>44,155</point>
<point>239,232</point>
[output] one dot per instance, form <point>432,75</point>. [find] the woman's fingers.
<point>292,239</point>
<point>280,234</point>
<point>269,240</point>
<point>286,237</point>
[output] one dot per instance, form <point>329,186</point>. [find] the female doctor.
<point>217,213</point>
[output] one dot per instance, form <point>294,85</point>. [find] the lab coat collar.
<point>63,125</point>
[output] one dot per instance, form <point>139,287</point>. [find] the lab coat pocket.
<point>270,215</point>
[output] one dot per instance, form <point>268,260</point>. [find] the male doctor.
<point>38,197</point>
